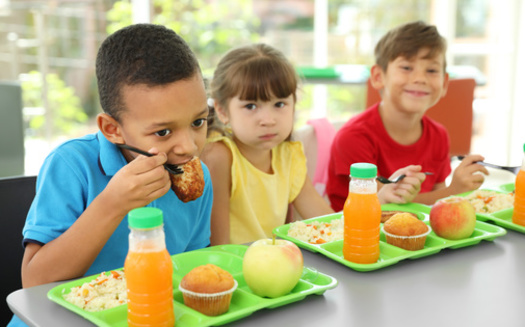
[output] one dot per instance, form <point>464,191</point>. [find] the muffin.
<point>387,214</point>
<point>208,289</point>
<point>406,231</point>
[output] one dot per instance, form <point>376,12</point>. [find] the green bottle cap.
<point>523,147</point>
<point>363,170</point>
<point>145,218</point>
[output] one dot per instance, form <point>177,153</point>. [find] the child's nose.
<point>184,144</point>
<point>419,75</point>
<point>267,117</point>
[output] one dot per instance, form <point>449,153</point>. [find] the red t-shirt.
<point>364,139</point>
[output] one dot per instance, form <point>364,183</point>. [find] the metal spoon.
<point>515,170</point>
<point>385,180</point>
<point>174,169</point>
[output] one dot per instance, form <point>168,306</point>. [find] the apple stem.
<point>273,239</point>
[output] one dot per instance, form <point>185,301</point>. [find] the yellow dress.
<point>259,201</point>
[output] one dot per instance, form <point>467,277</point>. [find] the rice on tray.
<point>317,232</point>
<point>489,201</point>
<point>104,292</point>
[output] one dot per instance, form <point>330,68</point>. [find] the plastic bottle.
<point>362,215</point>
<point>518,216</point>
<point>149,271</point>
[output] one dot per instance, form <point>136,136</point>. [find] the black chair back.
<point>16,196</point>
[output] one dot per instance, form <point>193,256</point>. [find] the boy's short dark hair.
<point>406,40</point>
<point>141,54</point>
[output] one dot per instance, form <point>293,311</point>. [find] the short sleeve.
<point>59,200</point>
<point>297,169</point>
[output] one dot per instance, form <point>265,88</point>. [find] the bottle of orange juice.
<point>518,216</point>
<point>149,270</point>
<point>362,215</point>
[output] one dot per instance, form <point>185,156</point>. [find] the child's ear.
<point>445,86</point>
<point>221,113</point>
<point>376,77</point>
<point>110,128</point>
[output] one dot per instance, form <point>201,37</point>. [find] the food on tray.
<point>317,232</point>
<point>485,201</point>
<point>104,292</point>
<point>385,215</point>
<point>406,231</point>
<point>190,184</point>
<point>453,218</point>
<point>267,258</point>
<point>208,289</point>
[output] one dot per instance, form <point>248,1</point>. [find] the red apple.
<point>272,268</point>
<point>453,218</point>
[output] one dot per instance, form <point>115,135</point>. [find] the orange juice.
<point>150,289</point>
<point>518,216</point>
<point>362,216</point>
<point>149,271</point>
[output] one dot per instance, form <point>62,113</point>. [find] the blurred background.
<point>48,90</point>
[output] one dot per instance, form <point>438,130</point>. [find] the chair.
<point>317,137</point>
<point>454,111</point>
<point>16,195</point>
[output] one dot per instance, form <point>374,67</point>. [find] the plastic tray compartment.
<point>228,257</point>
<point>503,217</point>
<point>390,254</point>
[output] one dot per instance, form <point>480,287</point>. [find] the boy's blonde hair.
<point>406,40</point>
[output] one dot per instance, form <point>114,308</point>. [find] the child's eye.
<point>199,122</point>
<point>279,104</point>
<point>433,71</point>
<point>405,67</point>
<point>163,132</point>
<point>250,106</point>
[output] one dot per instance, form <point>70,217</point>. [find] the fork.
<point>174,169</point>
<point>513,170</point>
<point>385,180</point>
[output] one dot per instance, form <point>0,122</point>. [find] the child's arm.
<point>405,190</point>
<point>218,158</point>
<point>71,254</point>
<point>468,176</point>
<point>309,203</point>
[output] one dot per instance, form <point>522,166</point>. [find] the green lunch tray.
<point>390,254</point>
<point>507,188</point>
<point>228,257</point>
<point>503,217</point>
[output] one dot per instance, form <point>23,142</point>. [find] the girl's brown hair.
<point>406,40</point>
<point>254,72</point>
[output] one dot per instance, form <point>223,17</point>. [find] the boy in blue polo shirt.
<point>153,96</point>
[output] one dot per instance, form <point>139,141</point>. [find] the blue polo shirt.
<point>77,171</point>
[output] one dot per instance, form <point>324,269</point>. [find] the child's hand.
<point>467,176</point>
<point>139,182</point>
<point>405,190</point>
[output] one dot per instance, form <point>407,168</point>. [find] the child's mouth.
<point>417,93</point>
<point>267,136</point>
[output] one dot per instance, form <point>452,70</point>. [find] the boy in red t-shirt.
<point>395,134</point>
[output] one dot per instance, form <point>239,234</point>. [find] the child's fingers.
<point>142,164</point>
